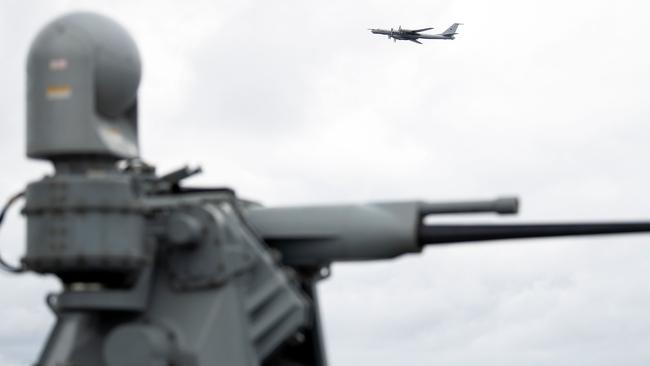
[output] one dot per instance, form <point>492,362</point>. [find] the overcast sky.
<point>293,102</point>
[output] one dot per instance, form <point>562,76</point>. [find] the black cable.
<point>4,265</point>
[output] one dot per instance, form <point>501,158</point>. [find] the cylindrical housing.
<point>83,73</point>
<point>85,229</point>
<point>320,235</point>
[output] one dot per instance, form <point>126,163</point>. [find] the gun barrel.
<point>317,235</point>
<point>443,234</point>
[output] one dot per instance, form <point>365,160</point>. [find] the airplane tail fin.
<point>451,31</point>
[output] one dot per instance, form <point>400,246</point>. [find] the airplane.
<point>414,35</point>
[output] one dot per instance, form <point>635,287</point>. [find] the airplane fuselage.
<point>407,36</point>
<point>435,36</point>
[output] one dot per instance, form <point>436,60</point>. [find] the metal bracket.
<point>133,299</point>
<point>213,259</point>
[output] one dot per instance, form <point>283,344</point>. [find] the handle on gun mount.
<point>502,206</point>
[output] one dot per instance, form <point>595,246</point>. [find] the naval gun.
<point>156,273</point>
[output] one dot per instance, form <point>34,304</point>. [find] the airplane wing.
<point>415,40</point>
<point>422,30</point>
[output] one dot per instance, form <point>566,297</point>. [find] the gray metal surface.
<point>85,226</point>
<point>320,235</point>
<point>83,73</point>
